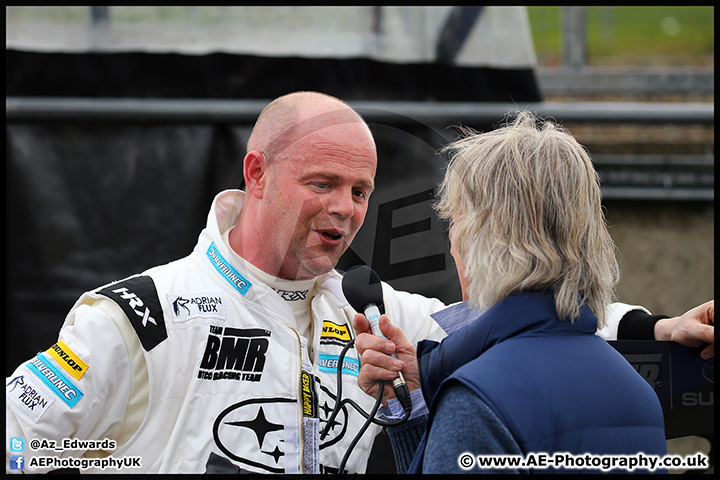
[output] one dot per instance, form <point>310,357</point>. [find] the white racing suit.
<point>196,366</point>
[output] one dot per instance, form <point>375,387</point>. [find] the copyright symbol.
<point>466,461</point>
<point>34,444</point>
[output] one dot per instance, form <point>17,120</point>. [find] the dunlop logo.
<point>332,333</point>
<point>67,359</point>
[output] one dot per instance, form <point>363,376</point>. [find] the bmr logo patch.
<point>234,354</point>
<point>332,333</point>
<point>68,360</point>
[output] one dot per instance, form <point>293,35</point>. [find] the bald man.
<point>226,360</point>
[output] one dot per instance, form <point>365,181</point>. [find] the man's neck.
<point>296,293</point>
<point>251,250</point>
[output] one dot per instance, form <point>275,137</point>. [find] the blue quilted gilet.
<point>556,385</point>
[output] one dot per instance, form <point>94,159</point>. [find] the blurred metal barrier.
<point>637,177</point>
<point>34,109</point>
<point>657,177</point>
<point>615,81</point>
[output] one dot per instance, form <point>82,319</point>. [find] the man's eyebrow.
<point>369,185</point>
<point>334,177</point>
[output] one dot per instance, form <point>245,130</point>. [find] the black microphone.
<point>363,290</point>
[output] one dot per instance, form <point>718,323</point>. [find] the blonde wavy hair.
<point>524,205</point>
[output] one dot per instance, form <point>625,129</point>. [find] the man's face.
<point>316,198</point>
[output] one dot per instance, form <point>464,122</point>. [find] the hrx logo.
<point>137,296</point>
<point>136,305</point>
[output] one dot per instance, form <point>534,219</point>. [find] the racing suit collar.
<point>223,215</point>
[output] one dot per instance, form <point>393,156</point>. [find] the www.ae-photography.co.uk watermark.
<point>542,460</point>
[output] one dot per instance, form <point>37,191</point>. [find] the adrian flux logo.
<point>179,303</point>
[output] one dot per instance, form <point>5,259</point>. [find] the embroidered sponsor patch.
<point>332,333</point>
<point>292,295</point>
<point>307,387</point>
<point>59,384</point>
<point>67,359</point>
<point>240,283</point>
<point>234,354</point>
<point>138,298</point>
<point>329,364</point>
<point>187,305</point>
<point>29,395</point>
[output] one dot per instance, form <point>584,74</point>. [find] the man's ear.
<point>254,170</point>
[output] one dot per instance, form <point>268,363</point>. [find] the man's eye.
<point>321,185</point>
<point>360,194</point>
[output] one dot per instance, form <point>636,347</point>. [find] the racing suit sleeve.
<point>616,314</point>
<point>47,400</point>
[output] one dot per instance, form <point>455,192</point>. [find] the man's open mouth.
<point>331,235</point>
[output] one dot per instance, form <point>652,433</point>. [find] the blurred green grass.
<point>635,35</point>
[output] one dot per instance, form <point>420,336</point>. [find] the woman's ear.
<point>254,170</point>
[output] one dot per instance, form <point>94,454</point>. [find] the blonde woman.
<point>533,252</point>
<point>526,373</point>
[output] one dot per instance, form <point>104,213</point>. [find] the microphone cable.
<point>370,417</point>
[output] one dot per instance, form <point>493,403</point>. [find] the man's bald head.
<point>289,118</point>
<point>309,172</point>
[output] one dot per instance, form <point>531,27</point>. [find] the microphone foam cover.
<point>361,287</point>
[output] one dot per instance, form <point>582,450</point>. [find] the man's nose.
<point>341,203</point>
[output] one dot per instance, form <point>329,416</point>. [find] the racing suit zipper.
<point>307,410</point>
<point>310,424</point>
<point>301,443</point>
